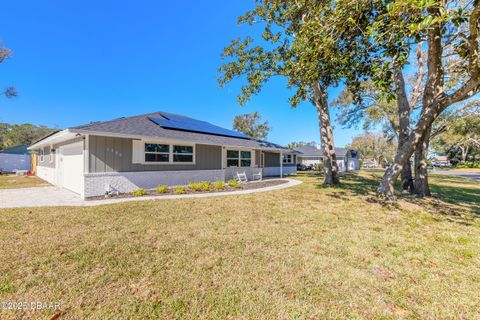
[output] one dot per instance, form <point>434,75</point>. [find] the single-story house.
<point>14,159</point>
<point>440,160</point>
<point>153,149</point>
<point>310,155</point>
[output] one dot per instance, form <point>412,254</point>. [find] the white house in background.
<point>346,159</point>
<point>154,149</point>
<point>14,159</point>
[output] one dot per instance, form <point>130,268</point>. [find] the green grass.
<point>299,253</point>
<point>11,181</point>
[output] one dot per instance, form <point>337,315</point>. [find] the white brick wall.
<point>97,183</point>
<point>275,171</point>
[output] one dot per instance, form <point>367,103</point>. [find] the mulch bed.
<point>246,186</point>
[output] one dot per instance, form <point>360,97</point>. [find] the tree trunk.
<point>404,111</point>
<point>464,153</point>
<point>330,166</point>
<point>422,189</point>
<point>434,101</point>
<point>407,179</point>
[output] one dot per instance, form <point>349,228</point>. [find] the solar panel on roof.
<point>188,124</point>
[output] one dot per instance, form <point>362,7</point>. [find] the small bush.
<point>161,189</point>
<point>233,183</point>
<point>206,185</point>
<point>318,166</point>
<point>468,165</point>
<point>200,186</point>
<point>139,192</point>
<point>219,185</point>
<point>179,190</point>
<point>195,186</point>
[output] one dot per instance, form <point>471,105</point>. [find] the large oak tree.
<point>441,25</point>
<point>310,45</point>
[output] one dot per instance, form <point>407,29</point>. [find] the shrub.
<point>139,192</point>
<point>195,186</point>
<point>468,165</point>
<point>200,186</point>
<point>318,166</point>
<point>219,185</point>
<point>206,185</point>
<point>179,190</point>
<point>161,189</point>
<point>233,183</point>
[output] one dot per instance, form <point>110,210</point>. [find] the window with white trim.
<point>182,153</point>
<point>239,158</point>
<point>287,158</point>
<point>168,154</point>
<point>155,152</point>
<point>42,155</point>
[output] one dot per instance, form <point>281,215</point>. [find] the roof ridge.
<point>158,113</point>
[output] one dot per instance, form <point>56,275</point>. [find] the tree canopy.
<point>374,146</point>
<point>251,124</point>
<point>9,92</point>
<point>17,134</point>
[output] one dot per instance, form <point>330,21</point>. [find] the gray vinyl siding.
<point>108,154</point>
<point>46,160</point>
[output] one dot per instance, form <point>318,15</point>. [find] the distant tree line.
<point>17,134</point>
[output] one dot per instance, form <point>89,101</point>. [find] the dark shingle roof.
<point>141,125</point>
<point>311,151</point>
<point>20,149</point>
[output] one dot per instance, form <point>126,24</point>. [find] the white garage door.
<point>71,167</point>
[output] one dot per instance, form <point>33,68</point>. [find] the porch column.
<point>281,164</point>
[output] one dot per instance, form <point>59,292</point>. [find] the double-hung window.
<point>155,152</point>
<point>166,153</point>
<point>182,153</point>
<point>236,158</point>
<point>287,158</point>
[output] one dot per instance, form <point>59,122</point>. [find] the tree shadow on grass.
<point>457,199</point>
<point>353,182</point>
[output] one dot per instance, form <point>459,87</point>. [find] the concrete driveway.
<point>469,175</point>
<point>55,197</point>
<point>38,197</point>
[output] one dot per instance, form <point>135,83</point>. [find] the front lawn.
<point>306,252</point>
<point>11,181</point>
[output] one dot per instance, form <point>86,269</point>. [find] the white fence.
<point>13,162</point>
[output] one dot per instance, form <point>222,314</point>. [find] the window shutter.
<point>137,151</point>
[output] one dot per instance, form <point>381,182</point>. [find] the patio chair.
<point>242,177</point>
<point>257,176</point>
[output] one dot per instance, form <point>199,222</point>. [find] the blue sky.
<point>81,61</point>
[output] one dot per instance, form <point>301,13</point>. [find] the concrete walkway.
<point>55,197</point>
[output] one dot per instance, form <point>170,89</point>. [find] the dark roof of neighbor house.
<point>312,151</point>
<point>20,149</point>
<point>142,125</point>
